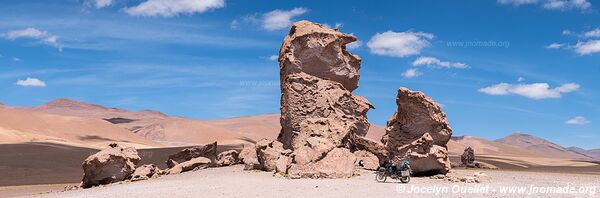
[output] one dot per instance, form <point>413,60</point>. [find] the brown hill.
<point>594,153</point>
<point>19,126</point>
<point>542,146</point>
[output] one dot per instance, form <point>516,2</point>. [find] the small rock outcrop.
<point>467,159</point>
<point>271,154</point>
<point>319,113</point>
<point>249,157</point>
<point>145,172</point>
<point>197,163</point>
<point>418,131</point>
<point>228,158</point>
<point>113,164</point>
<point>208,151</point>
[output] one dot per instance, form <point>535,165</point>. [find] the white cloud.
<point>587,47</point>
<point>593,33</point>
<point>534,91</point>
<point>431,61</point>
<point>555,46</point>
<point>551,4</point>
<point>281,19</point>
<point>273,57</point>
<point>567,4</point>
<point>235,24</point>
<point>517,2</point>
<point>170,8</point>
<point>353,45</point>
<point>399,44</point>
<point>579,120</point>
<point>31,82</point>
<point>520,79</point>
<point>411,73</point>
<point>15,59</point>
<point>567,32</point>
<point>100,3</point>
<point>33,33</point>
<point>336,26</point>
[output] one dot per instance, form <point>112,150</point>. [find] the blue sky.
<point>496,67</point>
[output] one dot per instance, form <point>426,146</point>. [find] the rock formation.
<point>145,172</point>
<point>208,151</point>
<point>319,113</point>
<point>112,164</point>
<point>192,164</point>
<point>228,158</point>
<point>249,158</point>
<point>467,159</point>
<point>418,131</point>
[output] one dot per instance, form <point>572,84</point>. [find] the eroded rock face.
<point>228,158</point>
<point>366,160</point>
<point>418,131</point>
<point>113,164</point>
<point>371,146</point>
<point>145,172</point>
<point>339,163</point>
<point>319,113</point>
<point>208,151</point>
<point>321,52</point>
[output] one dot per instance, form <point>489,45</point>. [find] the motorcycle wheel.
<point>405,179</point>
<point>381,176</point>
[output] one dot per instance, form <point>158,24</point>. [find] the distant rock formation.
<point>418,131</point>
<point>468,157</point>
<point>208,151</point>
<point>110,165</point>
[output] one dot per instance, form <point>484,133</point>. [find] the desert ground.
<point>234,182</point>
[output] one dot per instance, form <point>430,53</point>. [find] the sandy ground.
<point>234,182</point>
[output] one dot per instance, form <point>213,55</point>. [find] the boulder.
<point>269,152</point>
<point>425,157</point>
<point>249,158</point>
<point>467,159</point>
<point>228,158</point>
<point>192,164</point>
<point>418,131</point>
<point>366,160</point>
<point>113,164</point>
<point>208,151</point>
<point>145,172</point>
<point>339,163</point>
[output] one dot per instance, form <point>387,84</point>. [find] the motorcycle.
<point>392,170</point>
